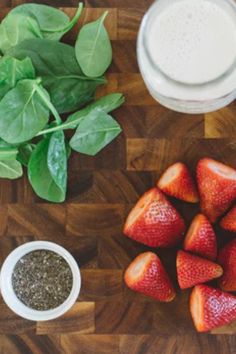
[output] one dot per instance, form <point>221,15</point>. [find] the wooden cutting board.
<point>108,318</point>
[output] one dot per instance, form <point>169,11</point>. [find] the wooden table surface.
<point>108,318</point>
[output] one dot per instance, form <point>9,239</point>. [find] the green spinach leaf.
<point>10,169</point>
<point>61,75</point>
<point>15,29</point>
<point>24,153</point>
<point>7,151</point>
<point>94,133</point>
<point>93,48</point>
<point>53,23</point>
<point>12,71</point>
<point>47,169</point>
<point>23,112</point>
<point>106,103</point>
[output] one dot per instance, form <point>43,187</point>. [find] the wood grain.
<point>108,318</point>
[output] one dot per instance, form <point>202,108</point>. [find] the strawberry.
<point>229,221</point>
<point>201,238</point>
<point>177,182</point>
<point>227,258</point>
<point>193,270</point>
<point>217,187</point>
<point>154,221</point>
<point>211,308</point>
<point>147,275</point>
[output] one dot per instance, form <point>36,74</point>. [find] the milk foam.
<point>192,41</point>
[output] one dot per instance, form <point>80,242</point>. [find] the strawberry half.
<point>229,221</point>
<point>211,308</point>
<point>177,182</point>
<point>227,258</point>
<point>154,221</point>
<point>217,187</point>
<point>201,238</point>
<point>147,275</point>
<point>193,270</point>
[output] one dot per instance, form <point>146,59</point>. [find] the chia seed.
<point>42,280</point>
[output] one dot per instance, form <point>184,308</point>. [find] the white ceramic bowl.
<point>8,293</point>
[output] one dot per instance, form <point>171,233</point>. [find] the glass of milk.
<point>187,53</point>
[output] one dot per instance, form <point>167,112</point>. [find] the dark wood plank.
<point>80,318</point>
<point>90,344</point>
<point>29,343</point>
<point>124,317</point>
<point>94,220</point>
<point>158,154</point>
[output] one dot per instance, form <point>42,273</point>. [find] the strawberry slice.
<point>193,270</point>
<point>217,187</point>
<point>229,221</point>
<point>211,308</point>
<point>201,238</point>
<point>147,275</point>
<point>177,182</point>
<point>227,258</point>
<point>154,221</point>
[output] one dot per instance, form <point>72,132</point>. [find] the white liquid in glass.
<point>193,41</point>
<point>187,53</point>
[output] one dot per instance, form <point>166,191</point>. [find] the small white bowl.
<point>9,295</point>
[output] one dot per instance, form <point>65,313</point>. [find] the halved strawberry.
<point>217,187</point>
<point>154,221</point>
<point>193,270</point>
<point>147,275</point>
<point>177,182</point>
<point>229,221</point>
<point>211,308</point>
<point>227,258</point>
<point>201,238</point>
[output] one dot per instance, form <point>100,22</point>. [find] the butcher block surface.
<point>108,318</point>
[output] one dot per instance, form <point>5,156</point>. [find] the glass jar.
<point>179,92</point>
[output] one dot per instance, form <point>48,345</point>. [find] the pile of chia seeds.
<point>42,280</point>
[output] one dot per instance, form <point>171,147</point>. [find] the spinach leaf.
<point>10,169</point>
<point>94,133</point>
<point>53,23</point>
<point>15,29</point>
<point>7,151</point>
<point>24,153</point>
<point>106,103</point>
<point>12,71</point>
<point>47,169</point>
<point>93,48</point>
<point>23,112</point>
<point>56,64</point>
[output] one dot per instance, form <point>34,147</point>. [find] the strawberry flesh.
<point>211,308</point>
<point>229,221</point>
<point>193,270</point>
<point>227,258</point>
<point>217,187</point>
<point>154,221</point>
<point>177,182</point>
<point>201,238</point>
<point>147,275</point>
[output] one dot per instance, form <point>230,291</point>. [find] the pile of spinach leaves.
<point>41,78</point>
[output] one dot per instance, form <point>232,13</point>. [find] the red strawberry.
<point>147,275</point>
<point>217,187</point>
<point>193,270</point>
<point>227,258</point>
<point>154,221</point>
<point>177,182</point>
<point>229,221</point>
<point>201,238</point>
<point>211,308</point>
